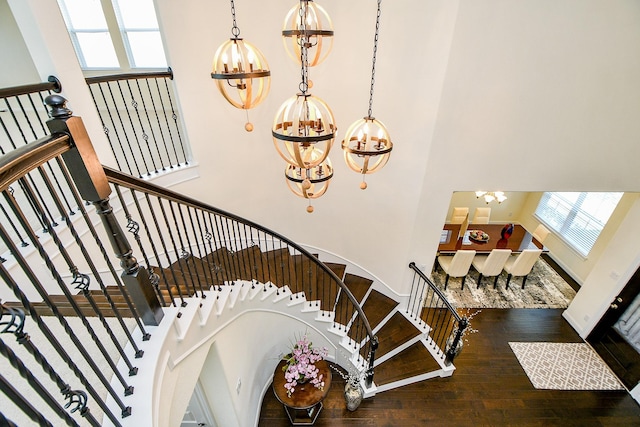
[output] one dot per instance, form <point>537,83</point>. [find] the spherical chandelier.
<point>303,125</point>
<point>241,72</point>
<point>367,145</point>
<point>310,183</point>
<point>315,33</point>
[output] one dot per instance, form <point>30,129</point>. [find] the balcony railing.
<point>140,118</point>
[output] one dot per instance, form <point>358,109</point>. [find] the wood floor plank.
<point>488,388</point>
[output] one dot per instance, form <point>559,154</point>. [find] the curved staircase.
<point>405,354</point>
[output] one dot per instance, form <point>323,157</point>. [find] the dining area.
<point>487,249</point>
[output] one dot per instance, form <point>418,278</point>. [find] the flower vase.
<point>353,394</point>
<point>449,344</point>
<point>507,231</point>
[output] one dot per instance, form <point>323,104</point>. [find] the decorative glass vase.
<point>353,394</point>
<point>507,231</point>
<point>449,344</point>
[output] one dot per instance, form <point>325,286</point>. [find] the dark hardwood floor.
<point>488,388</point>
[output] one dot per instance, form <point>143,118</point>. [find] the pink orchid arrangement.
<point>300,365</point>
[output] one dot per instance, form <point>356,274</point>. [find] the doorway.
<point>616,338</point>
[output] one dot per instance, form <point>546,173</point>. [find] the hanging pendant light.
<point>316,33</point>
<point>241,72</point>
<point>367,145</point>
<point>303,132</point>
<point>310,183</point>
<point>304,124</point>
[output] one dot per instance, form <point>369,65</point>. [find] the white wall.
<point>546,93</point>
<point>18,67</point>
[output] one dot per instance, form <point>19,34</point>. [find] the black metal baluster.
<point>183,303</point>
<point>43,254</point>
<point>23,243</point>
<point>184,254</point>
<point>133,128</point>
<point>15,324</point>
<point>219,242</point>
<point>175,120</point>
<point>122,128</point>
<point>153,135</point>
<point>166,121</point>
<point>154,275</point>
<point>115,130</point>
<point>190,246</point>
<point>25,373</point>
<point>162,137</point>
<point>83,281</point>
<point>133,227</point>
<point>197,246</point>
<point>8,279</point>
<point>175,251</point>
<point>107,259</point>
<point>22,403</point>
<point>105,129</point>
<point>145,136</point>
<point>206,265</point>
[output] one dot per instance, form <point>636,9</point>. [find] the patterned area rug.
<point>564,366</point>
<point>545,288</point>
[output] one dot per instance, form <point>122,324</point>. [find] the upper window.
<point>114,33</point>
<point>578,218</point>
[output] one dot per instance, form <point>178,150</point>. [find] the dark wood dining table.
<point>519,240</point>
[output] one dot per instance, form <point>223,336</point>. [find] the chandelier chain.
<point>304,73</point>
<point>234,29</point>
<point>373,66</point>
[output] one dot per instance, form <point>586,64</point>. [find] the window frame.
<point>118,34</point>
<point>580,239</point>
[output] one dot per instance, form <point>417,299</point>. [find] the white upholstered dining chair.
<point>540,233</point>
<point>481,216</point>
<point>521,265</point>
<point>491,265</point>
<point>457,265</point>
<point>459,215</point>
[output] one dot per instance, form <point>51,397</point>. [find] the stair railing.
<point>428,304</point>
<point>50,257</point>
<point>191,247</point>
<point>49,252</point>
<point>139,116</point>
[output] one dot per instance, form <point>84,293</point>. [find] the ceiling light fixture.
<point>490,196</point>
<point>317,32</point>
<point>241,72</point>
<point>303,129</point>
<point>367,145</point>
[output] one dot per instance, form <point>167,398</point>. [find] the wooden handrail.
<point>136,184</point>
<point>130,76</point>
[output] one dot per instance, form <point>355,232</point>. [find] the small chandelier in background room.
<point>303,130</point>
<point>490,196</point>
<point>316,33</point>
<point>367,145</point>
<point>241,72</point>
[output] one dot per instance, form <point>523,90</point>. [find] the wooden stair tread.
<point>397,331</point>
<point>338,269</point>
<point>377,307</point>
<point>357,285</point>
<point>413,361</point>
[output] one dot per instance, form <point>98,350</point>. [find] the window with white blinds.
<point>578,218</point>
